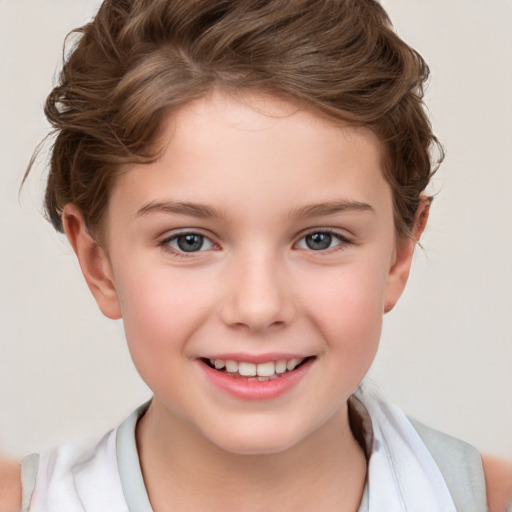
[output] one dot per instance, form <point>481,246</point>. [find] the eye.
<point>187,243</point>
<point>321,241</point>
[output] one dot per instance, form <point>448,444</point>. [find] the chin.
<point>262,441</point>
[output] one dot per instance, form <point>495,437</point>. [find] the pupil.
<point>190,243</point>
<point>318,241</point>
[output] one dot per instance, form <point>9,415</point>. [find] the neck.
<point>324,471</point>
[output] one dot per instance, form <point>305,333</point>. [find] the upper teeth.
<point>252,369</point>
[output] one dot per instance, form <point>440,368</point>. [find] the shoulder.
<point>10,485</point>
<point>498,480</point>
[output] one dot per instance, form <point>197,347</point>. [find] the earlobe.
<point>93,260</point>
<point>399,271</point>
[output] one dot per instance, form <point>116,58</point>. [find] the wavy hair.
<point>137,60</point>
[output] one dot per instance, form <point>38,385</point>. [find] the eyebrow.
<point>330,208</point>
<point>179,208</point>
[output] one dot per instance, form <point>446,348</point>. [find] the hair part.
<point>138,60</point>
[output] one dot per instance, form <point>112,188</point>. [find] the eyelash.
<point>180,254</point>
<point>343,242</point>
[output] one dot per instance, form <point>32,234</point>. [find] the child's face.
<point>263,233</point>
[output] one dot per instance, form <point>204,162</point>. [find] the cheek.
<point>161,310</point>
<point>348,304</point>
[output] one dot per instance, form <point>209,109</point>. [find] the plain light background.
<point>446,351</point>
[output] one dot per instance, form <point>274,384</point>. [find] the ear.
<point>94,262</point>
<point>399,271</point>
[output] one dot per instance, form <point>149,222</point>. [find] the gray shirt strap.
<point>29,466</point>
<point>461,466</point>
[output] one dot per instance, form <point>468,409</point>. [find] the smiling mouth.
<point>261,372</point>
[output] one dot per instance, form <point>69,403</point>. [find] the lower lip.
<point>256,390</point>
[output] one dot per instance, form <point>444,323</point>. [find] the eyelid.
<point>173,233</point>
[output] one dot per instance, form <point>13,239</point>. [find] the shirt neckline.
<point>130,472</point>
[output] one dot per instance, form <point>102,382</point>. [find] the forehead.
<point>260,120</point>
<point>257,153</point>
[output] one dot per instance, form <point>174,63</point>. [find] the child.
<point>243,183</point>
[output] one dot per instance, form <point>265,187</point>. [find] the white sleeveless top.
<point>411,468</point>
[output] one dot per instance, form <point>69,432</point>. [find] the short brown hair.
<point>139,59</point>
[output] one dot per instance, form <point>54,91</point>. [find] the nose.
<point>258,296</point>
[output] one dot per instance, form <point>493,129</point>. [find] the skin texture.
<point>498,480</point>
<point>10,485</point>
<point>258,164</point>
